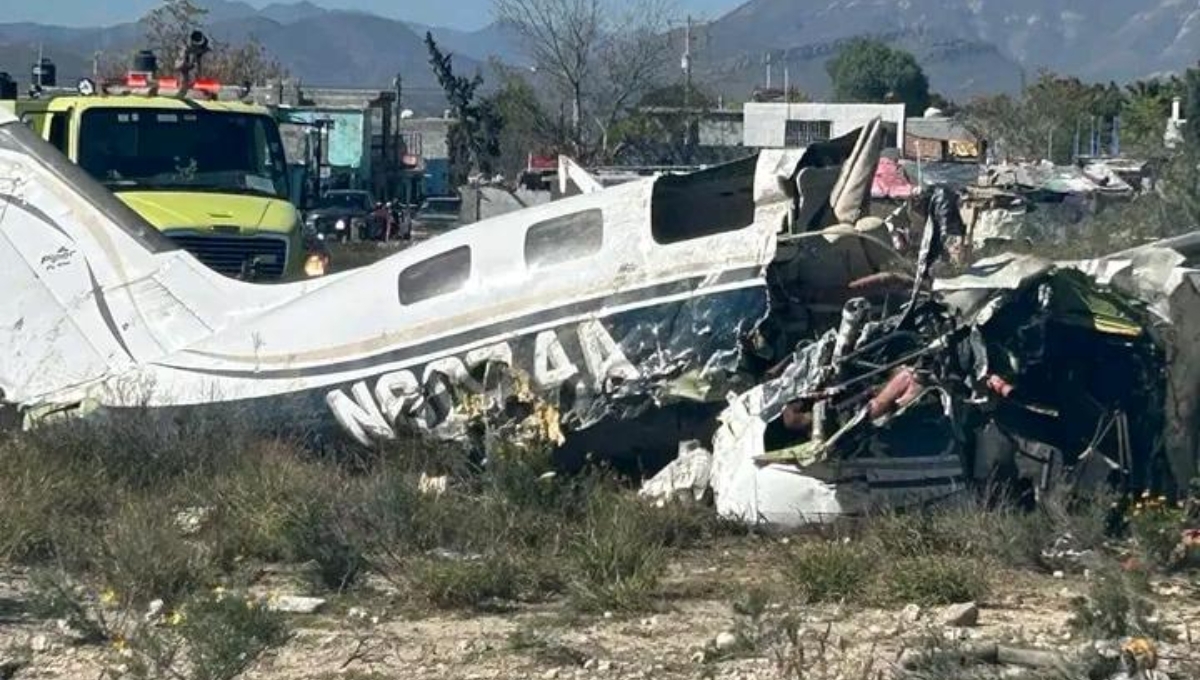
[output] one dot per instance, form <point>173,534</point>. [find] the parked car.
<point>439,212</point>
<point>347,215</point>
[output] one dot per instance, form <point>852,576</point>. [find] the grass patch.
<point>141,555</point>
<point>545,649</point>
<point>1115,606</point>
<point>468,582</point>
<point>213,637</point>
<point>831,571</point>
<point>930,580</point>
<point>616,560</point>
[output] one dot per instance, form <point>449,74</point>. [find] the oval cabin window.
<point>437,276</point>
<point>564,238</point>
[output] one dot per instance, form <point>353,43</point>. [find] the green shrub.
<point>616,558</point>
<point>1115,605</point>
<point>830,571</point>
<point>256,501</point>
<point>213,637</point>
<point>45,501</point>
<point>930,580</point>
<point>466,582</point>
<point>142,556</point>
<point>1157,529</point>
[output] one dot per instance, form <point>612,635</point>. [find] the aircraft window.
<point>439,275</point>
<point>564,238</point>
<point>703,203</point>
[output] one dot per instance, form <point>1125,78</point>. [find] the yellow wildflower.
<point>119,643</point>
<point>175,618</point>
<point>109,596</point>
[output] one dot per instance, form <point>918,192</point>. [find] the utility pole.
<point>398,85</point>
<point>687,64</point>
<point>768,70</point>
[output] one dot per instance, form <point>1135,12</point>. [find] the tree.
<point>1052,119</point>
<point>868,70</point>
<point>601,57</point>
<point>474,139</point>
<point>528,127</point>
<point>168,27</point>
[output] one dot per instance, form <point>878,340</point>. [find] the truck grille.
<point>234,255</point>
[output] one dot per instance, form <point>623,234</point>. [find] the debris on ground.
<point>963,615</point>
<point>295,604</point>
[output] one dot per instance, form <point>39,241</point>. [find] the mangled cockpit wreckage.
<point>621,320</point>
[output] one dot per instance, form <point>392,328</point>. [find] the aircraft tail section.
<point>87,288</point>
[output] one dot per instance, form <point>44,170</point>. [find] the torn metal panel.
<point>1159,276</point>
<point>686,476</point>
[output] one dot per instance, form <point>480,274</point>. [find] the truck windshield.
<point>350,200</point>
<point>189,150</point>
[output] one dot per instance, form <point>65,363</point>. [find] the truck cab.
<point>210,175</point>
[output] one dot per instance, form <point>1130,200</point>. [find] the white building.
<point>780,125</point>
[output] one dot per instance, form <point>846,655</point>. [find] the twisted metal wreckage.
<point>625,320</point>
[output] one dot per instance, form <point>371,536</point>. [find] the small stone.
<point>589,664</point>
<point>191,520</point>
<point>604,666</point>
<point>725,641</point>
<point>551,674</point>
<point>294,604</point>
<point>1060,574</point>
<point>39,644</point>
<point>608,615</point>
<point>911,613</point>
<point>962,615</point>
<point>155,608</point>
<point>910,658</point>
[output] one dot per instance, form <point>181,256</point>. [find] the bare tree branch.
<point>603,54</point>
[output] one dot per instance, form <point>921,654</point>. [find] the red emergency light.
<point>136,80</point>
<point>209,86</point>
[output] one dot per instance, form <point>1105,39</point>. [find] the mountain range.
<point>967,47</point>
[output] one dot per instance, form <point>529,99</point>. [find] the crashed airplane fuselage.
<point>552,318</point>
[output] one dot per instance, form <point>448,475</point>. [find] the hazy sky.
<point>455,13</point>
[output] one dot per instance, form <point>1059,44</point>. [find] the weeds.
<point>831,571</point>
<point>141,555</point>
<point>1157,528</point>
<point>931,580</point>
<point>616,560</point>
<point>467,582</point>
<point>804,655</point>
<point>213,637</point>
<point>545,649</point>
<point>1115,606</point>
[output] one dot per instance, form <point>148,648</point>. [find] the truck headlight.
<point>340,226</point>
<point>314,266</point>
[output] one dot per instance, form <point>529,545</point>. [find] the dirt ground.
<point>361,636</point>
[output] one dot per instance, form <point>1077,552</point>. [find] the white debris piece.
<point>191,520</point>
<point>433,486</point>
<point>725,641</point>
<point>295,604</point>
<point>688,474</point>
<point>777,495</point>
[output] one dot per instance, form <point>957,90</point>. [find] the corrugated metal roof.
<point>947,129</point>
